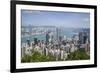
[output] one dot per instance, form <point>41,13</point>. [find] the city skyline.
<point>50,42</point>
<point>53,18</point>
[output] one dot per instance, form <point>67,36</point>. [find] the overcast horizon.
<point>57,19</point>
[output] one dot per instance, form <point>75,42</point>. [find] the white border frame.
<point>20,65</point>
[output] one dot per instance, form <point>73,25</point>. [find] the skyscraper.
<point>83,36</point>
<point>47,37</point>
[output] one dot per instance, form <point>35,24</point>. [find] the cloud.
<point>86,19</point>
<point>30,11</point>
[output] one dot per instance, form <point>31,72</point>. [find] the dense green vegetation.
<point>78,55</point>
<point>37,57</point>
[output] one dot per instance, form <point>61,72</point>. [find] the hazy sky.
<point>58,19</point>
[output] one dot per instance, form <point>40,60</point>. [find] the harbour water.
<point>68,32</point>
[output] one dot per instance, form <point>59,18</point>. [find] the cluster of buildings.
<point>56,45</point>
<point>84,40</point>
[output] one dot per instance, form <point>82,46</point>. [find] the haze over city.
<point>53,18</point>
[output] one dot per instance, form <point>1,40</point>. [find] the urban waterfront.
<point>50,43</point>
<point>48,36</point>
